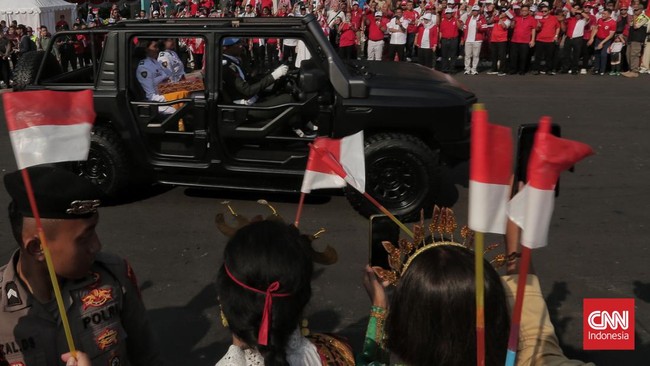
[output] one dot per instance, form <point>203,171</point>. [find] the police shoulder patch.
<point>164,64</point>
<point>144,74</point>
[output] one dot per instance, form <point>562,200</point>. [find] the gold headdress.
<point>326,256</point>
<point>443,225</point>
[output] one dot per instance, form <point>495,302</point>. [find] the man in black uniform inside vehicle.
<point>241,92</point>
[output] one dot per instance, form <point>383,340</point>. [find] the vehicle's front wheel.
<point>402,174</point>
<point>107,164</point>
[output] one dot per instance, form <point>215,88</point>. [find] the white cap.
<point>516,6</point>
<point>355,3</point>
<point>449,11</point>
<point>427,16</point>
<point>476,8</point>
<point>378,14</point>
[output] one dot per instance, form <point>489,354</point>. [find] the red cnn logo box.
<point>608,324</point>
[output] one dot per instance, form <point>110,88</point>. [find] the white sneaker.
<point>408,59</point>
<point>493,73</point>
<point>644,71</point>
<point>474,72</point>
<point>466,72</point>
<point>583,71</point>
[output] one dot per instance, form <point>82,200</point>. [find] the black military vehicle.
<point>413,118</point>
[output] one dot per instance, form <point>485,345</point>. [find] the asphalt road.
<point>598,240</point>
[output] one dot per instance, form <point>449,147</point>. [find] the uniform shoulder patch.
<point>143,74</point>
<point>13,296</point>
<point>164,64</point>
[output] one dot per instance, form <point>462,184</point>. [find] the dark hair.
<point>257,255</point>
<point>432,318</point>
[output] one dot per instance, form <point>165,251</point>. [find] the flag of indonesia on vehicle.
<point>333,163</point>
<point>49,126</point>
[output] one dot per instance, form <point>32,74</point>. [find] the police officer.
<point>241,92</point>
<point>170,61</point>
<point>106,314</point>
<point>150,73</point>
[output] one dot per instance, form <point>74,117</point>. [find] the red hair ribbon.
<point>263,335</point>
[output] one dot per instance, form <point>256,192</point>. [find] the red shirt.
<point>449,28</point>
<point>591,23</point>
<point>499,34</point>
<point>348,37</point>
<point>605,27</point>
<point>523,30</point>
<point>267,4</point>
<point>356,17</point>
<point>433,36</point>
<point>550,25</point>
<point>411,16</point>
<point>374,32</point>
<point>481,27</point>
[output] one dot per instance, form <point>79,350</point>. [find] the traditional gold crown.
<point>443,225</point>
<point>323,254</point>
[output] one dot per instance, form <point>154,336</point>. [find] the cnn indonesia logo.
<point>608,324</point>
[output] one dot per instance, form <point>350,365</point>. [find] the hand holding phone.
<point>382,229</point>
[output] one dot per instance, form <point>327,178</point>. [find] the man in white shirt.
<point>575,42</point>
<point>397,29</point>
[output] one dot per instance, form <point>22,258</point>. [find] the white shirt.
<point>397,35</point>
<point>149,74</point>
<point>471,29</point>
<point>300,352</point>
<point>171,64</point>
<point>579,29</point>
<point>424,42</point>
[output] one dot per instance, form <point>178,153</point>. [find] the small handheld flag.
<point>49,127</point>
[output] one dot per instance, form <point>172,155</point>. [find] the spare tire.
<point>27,68</point>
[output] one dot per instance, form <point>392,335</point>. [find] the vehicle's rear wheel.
<point>107,164</point>
<point>27,67</point>
<point>402,174</point>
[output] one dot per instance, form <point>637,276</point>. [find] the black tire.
<point>27,67</point>
<point>107,165</point>
<point>402,174</point>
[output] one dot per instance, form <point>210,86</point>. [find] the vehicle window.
<point>166,68</point>
<point>71,60</point>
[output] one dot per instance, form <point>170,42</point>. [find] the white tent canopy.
<point>35,13</point>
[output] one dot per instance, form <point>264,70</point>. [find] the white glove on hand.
<point>280,72</point>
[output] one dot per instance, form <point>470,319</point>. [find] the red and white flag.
<point>531,209</point>
<point>49,126</point>
<point>490,172</point>
<point>333,163</point>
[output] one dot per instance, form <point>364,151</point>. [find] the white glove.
<point>280,72</point>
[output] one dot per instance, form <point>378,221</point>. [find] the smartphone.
<point>525,139</point>
<point>382,228</point>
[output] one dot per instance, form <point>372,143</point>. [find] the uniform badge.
<point>83,207</point>
<point>106,339</point>
<point>13,297</point>
<point>164,64</point>
<point>143,74</point>
<point>97,297</point>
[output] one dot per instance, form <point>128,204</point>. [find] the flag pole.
<point>513,341</point>
<point>480,298</point>
<point>299,210</point>
<point>48,260</point>
<point>390,215</point>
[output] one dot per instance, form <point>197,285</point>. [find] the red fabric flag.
<point>49,126</point>
<point>333,163</point>
<point>490,172</point>
<point>532,208</point>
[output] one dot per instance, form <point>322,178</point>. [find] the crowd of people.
<point>263,286</point>
<point>501,36</point>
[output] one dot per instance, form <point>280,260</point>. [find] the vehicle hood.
<point>384,78</point>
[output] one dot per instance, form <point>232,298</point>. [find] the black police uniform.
<point>106,314</point>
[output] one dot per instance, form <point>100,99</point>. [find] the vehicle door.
<point>167,93</point>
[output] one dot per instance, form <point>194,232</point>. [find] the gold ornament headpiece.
<point>443,225</point>
<point>327,255</point>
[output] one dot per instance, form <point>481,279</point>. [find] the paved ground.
<point>599,236</point>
